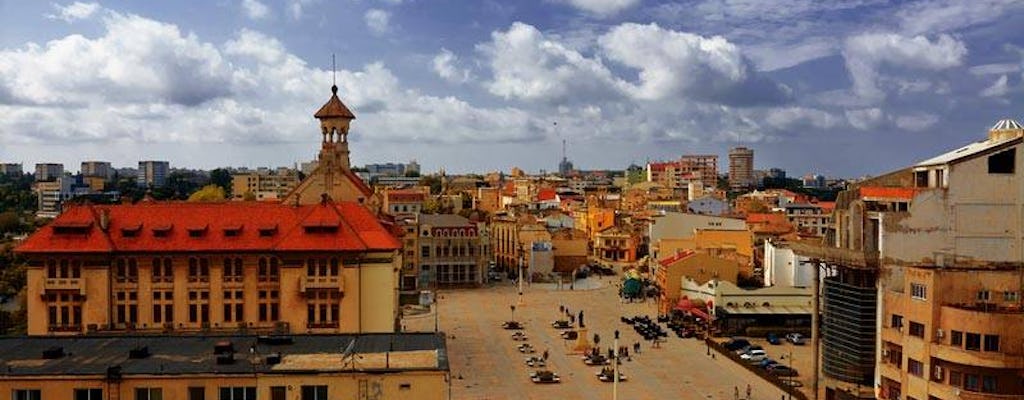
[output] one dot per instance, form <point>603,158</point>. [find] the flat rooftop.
<point>93,355</point>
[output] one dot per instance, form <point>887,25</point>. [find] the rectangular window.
<point>991,342</point>
<point>1002,162</point>
<point>917,329</point>
<point>973,341</point>
<point>238,393</point>
<point>915,367</point>
<point>88,394</point>
<point>897,321</point>
<point>26,394</point>
<point>988,384</point>
<point>971,382</point>
<point>314,392</point>
<point>425,251</point>
<point>955,378</point>
<point>196,393</point>
<point>983,295</point>
<point>1011,296</point>
<point>956,339</point>
<point>918,291</point>
<point>149,394</point>
<point>278,393</point>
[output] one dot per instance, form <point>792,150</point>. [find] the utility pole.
<point>615,368</point>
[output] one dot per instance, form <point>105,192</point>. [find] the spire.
<point>334,108</point>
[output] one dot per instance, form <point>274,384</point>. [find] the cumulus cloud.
<point>255,10</point>
<point>529,66</point>
<point>445,65</point>
<point>864,118</point>
<point>916,122</point>
<point>998,88</point>
<point>145,81</point>
<point>298,7</point>
<point>947,15</point>
<point>865,54</point>
<point>74,11</point>
<point>602,7</point>
<point>680,64</point>
<point>379,21</point>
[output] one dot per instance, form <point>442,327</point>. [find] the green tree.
<point>10,222</point>
<point>433,181</point>
<point>208,193</point>
<point>221,177</point>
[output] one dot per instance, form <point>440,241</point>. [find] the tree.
<point>10,222</point>
<point>221,177</point>
<point>433,181</point>
<point>412,174</point>
<point>208,193</point>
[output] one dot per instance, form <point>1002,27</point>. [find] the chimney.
<point>104,219</point>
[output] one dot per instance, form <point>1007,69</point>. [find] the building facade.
<point>97,169</point>
<point>48,171</point>
<point>264,184</point>
<point>153,174</point>
<point>312,367</point>
<point>741,168</point>
<point>11,169</point>
<point>453,251</point>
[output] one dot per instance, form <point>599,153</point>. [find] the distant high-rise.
<point>11,169</point>
<point>741,168</point>
<point>48,171</point>
<point>565,167</point>
<point>100,169</point>
<point>153,173</point>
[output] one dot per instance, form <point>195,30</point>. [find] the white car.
<point>754,356</point>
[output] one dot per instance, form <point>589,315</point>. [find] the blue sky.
<point>838,87</point>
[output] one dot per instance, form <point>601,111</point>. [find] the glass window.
<point>971,382</point>
<point>88,394</point>
<point>196,393</point>
<point>988,384</point>
<point>278,392</point>
<point>238,393</point>
<point>915,367</point>
<point>149,394</point>
<point>973,341</point>
<point>917,329</point>
<point>957,339</point>
<point>991,342</point>
<point>314,392</point>
<point>918,291</point>
<point>26,394</point>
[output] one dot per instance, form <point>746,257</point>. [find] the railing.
<point>72,284</point>
<point>321,282</point>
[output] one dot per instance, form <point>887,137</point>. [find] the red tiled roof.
<point>667,261</point>
<point>888,192</point>
<point>343,226</point>
<point>765,218</point>
<point>546,194</point>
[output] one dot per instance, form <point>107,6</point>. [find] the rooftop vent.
<point>273,358</point>
<point>54,352</point>
<point>138,352</point>
<point>223,347</point>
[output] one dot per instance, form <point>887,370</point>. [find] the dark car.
<point>782,370</point>
<point>795,338</point>
<point>767,363</point>
<point>773,339</point>
<point>737,344</point>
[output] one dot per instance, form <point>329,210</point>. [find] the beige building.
<point>926,302</point>
<point>403,366</point>
<point>741,168</point>
<point>264,184</point>
<point>97,169</point>
<point>328,266</point>
<point>453,251</point>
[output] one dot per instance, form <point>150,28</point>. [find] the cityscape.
<point>484,258</point>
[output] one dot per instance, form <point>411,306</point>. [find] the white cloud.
<point>936,16</point>
<point>602,7</point>
<point>773,57</point>
<point>255,10</point>
<point>994,69</point>
<point>916,122</point>
<point>787,118</point>
<point>866,53</point>
<point>445,64</point>
<point>998,88</point>
<point>297,7</point>
<point>378,20</point>
<point>680,64</point>
<point>74,11</point>
<point>865,118</point>
<point>529,66</point>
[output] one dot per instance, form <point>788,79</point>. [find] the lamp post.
<point>520,280</point>
<point>615,368</point>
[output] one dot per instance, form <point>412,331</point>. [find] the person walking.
<point>748,391</point>
<point>546,358</point>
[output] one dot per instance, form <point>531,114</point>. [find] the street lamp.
<point>615,368</point>
<point>520,280</point>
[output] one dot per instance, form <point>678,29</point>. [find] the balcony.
<point>64,284</point>
<point>994,319</point>
<point>307,283</point>
<point>969,395</point>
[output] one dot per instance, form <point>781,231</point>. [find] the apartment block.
<point>153,174</point>
<point>48,171</point>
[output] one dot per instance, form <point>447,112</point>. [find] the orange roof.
<point>334,107</point>
<point>546,194</point>
<point>171,227</point>
<point>826,206</point>
<point>905,193</point>
<point>765,218</point>
<point>667,261</point>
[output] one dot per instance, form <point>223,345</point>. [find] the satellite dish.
<point>349,350</point>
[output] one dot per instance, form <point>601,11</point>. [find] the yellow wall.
<point>426,385</point>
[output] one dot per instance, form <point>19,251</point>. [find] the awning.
<point>684,304</point>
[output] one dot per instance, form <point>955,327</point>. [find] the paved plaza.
<point>486,364</point>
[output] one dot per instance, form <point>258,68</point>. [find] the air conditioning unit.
<point>939,333</point>
<point>885,352</point>
<point>939,373</point>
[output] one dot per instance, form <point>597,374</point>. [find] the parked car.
<point>767,363</point>
<point>748,349</point>
<point>782,370</point>
<point>737,344</point>
<point>754,356</point>
<point>773,339</point>
<point>795,338</point>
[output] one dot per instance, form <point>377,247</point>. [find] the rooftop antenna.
<point>334,72</point>
<point>349,356</point>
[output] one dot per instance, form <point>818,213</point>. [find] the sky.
<point>843,88</point>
